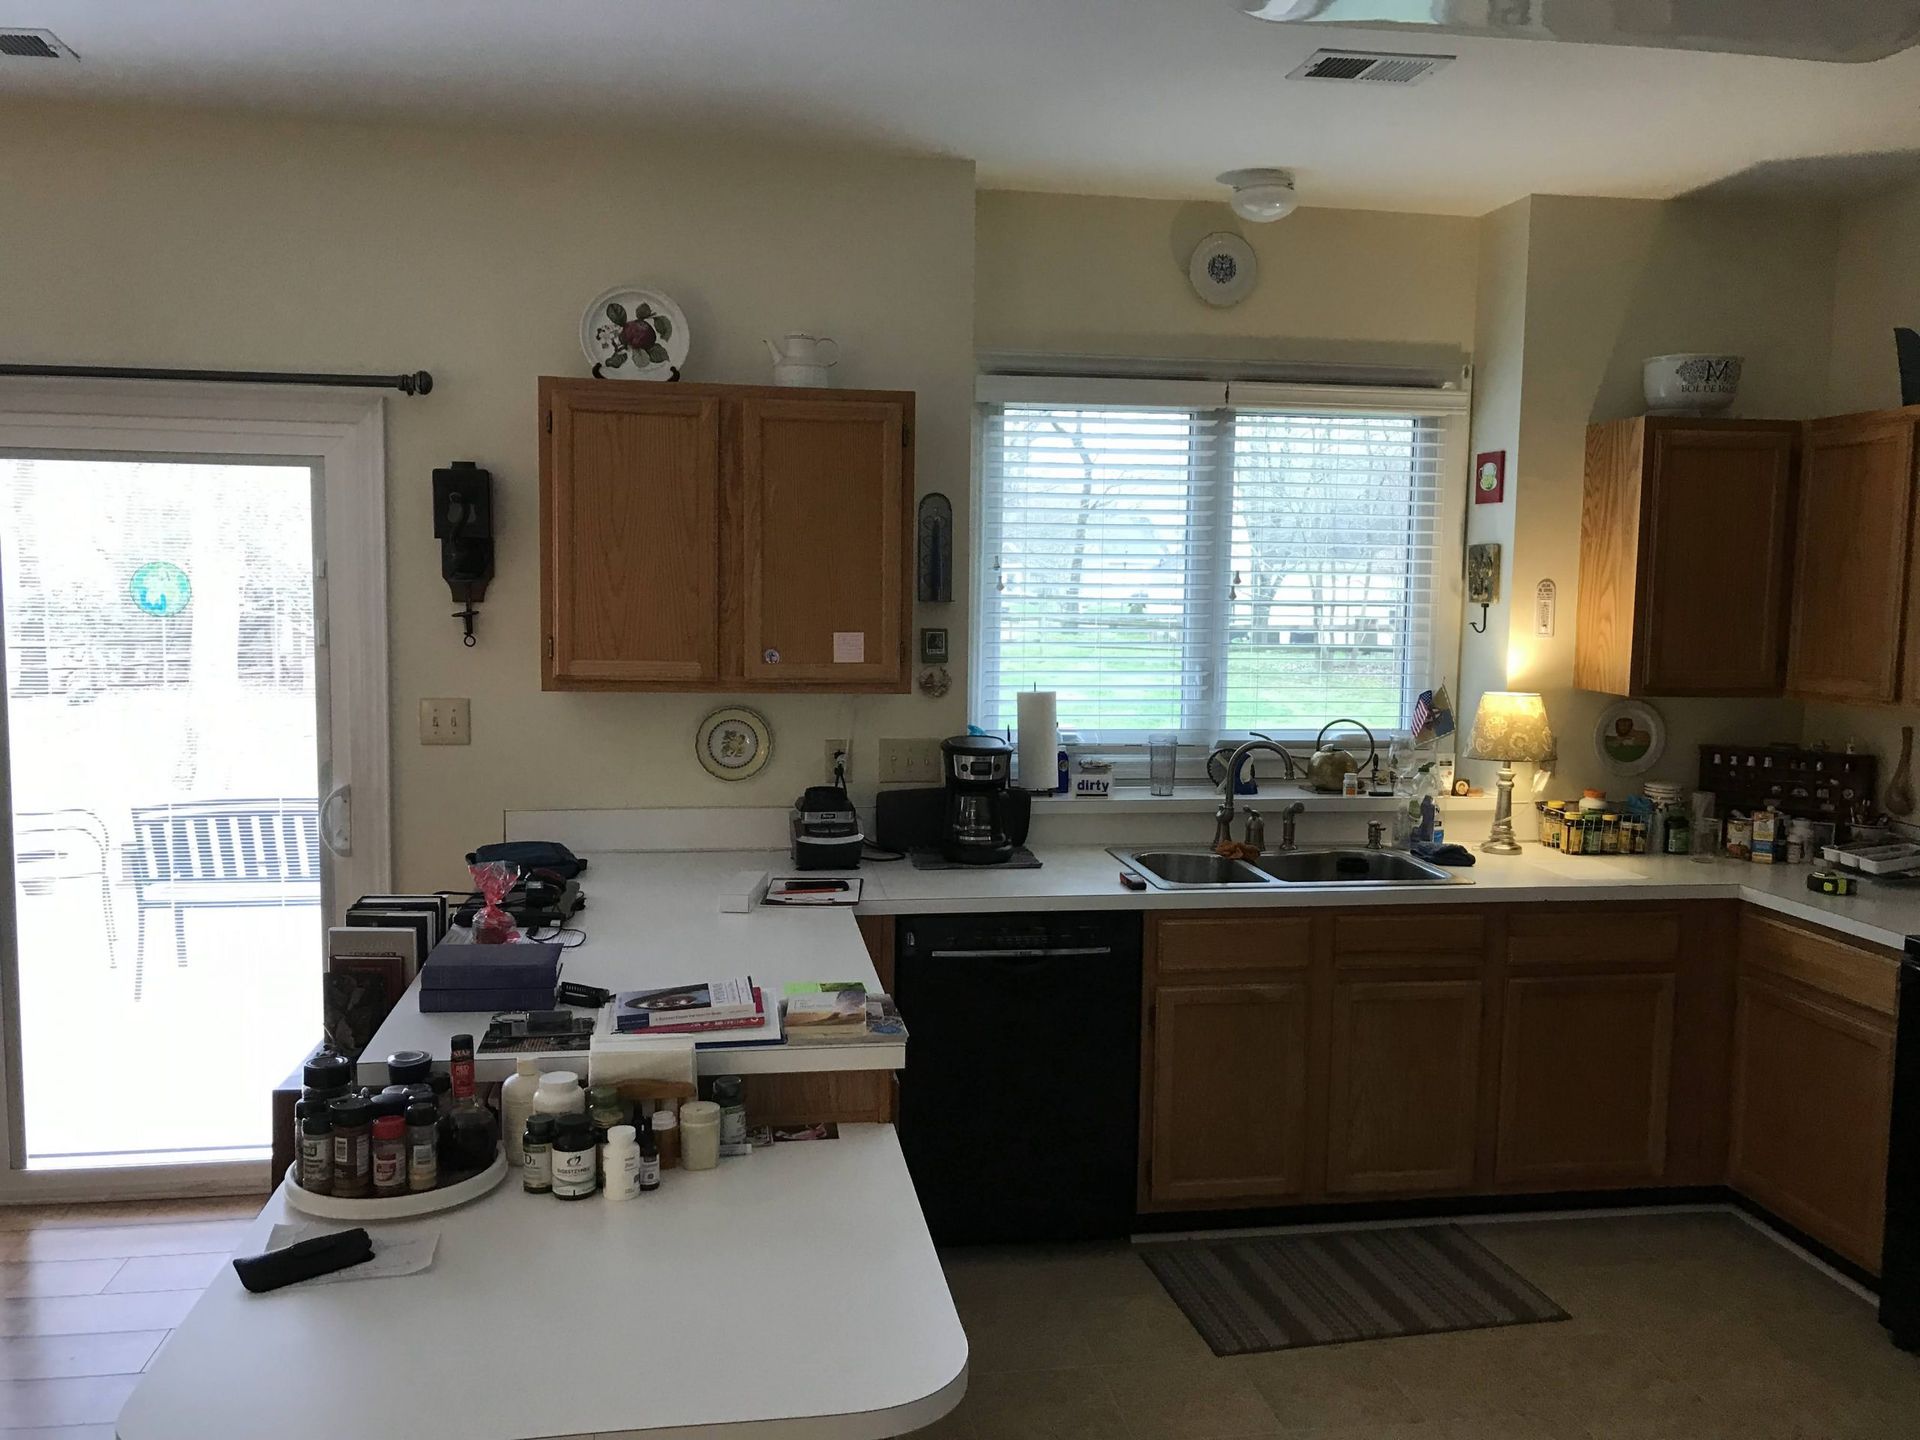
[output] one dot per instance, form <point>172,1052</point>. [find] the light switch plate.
<point>446,720</point>
<point>909,762</point>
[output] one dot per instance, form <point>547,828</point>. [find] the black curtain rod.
<point>419,382</point>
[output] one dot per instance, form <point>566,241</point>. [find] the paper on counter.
<point>393,1255</point>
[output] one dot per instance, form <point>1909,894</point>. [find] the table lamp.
<point>1509,726</point>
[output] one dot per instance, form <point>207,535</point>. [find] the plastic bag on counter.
<point>494,879</point>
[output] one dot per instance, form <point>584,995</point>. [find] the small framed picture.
<point>1490,477</point>
<point>933,647</point>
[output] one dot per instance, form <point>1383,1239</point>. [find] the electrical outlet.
<point>446,721</point>
<point>909,762</point>
<point>839,750</point>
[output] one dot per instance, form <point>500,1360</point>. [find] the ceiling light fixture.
<point>1261,195</point>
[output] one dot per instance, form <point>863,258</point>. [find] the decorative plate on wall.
<point>1630,736</point>
<point>1223,269</point>
<point>734,743</point>
<point>628,333</point>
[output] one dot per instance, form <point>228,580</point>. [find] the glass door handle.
<point>336,820</point>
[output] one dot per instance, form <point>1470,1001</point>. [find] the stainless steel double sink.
<point>1349,867</point>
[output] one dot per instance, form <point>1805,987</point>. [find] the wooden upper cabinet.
<point>1851,558</point>
<point>1684,547</point>
<point>724,537</point>
<point>630,535</point>
<point>824,516</point>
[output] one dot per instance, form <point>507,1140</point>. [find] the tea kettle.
<point>800,359</point>
<point>1331,765</point>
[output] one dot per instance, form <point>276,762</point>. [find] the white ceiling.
<point>1135,97</point>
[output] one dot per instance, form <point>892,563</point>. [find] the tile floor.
<point>1685,1327</point>
<point>88,1294</point>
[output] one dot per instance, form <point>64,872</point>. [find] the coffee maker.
<point>978,830</point>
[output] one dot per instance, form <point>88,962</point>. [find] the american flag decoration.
<point>1422,713</point>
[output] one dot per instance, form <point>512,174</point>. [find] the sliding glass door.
<point>179,732</point>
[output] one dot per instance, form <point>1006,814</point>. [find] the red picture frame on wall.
<point>1490,477</point>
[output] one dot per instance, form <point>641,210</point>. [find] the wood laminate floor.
<point>89,1294</point>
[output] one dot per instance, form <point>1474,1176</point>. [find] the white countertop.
<point>1087,877</point>
<point>656,920</point>
<point>792,1294</point>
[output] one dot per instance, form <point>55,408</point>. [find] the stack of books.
<point>833,1012</point>
<point>698,1008</point>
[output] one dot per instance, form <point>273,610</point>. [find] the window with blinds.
<point>1209,570</point>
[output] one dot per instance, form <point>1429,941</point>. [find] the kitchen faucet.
<point>1256,827</point>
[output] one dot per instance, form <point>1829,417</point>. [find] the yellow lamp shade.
<point>1511,725</point>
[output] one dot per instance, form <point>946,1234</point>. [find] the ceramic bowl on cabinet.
<point>1690,384</point>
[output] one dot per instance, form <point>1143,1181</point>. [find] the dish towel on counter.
<point>1442,853</point>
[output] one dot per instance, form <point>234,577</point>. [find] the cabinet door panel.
<point>1712,616</point>
<point>1812,1088</point>
<point>1850,564</point>
<point>1405,1085</point>
<point>823,548</point>
<point>632,538</point>
<point>1229,1092</point>
<point>1585,1062</point>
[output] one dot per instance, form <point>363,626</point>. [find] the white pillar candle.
<point>1039,740</point>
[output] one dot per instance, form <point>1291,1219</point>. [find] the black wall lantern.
<point>463,524</point>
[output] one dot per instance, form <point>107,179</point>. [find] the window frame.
<point>1447,406</point>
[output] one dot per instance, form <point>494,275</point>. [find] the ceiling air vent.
<point>1368,67</point>
<point>17,44</point>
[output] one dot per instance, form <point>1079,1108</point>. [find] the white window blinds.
<point>1205,569</point>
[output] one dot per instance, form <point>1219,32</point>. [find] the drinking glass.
<point>1163,752</point>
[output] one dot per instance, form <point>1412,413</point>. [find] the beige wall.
<point>1876,286</point>
<point>1499,353</point>
<point>1610,282</point>
<point>163,238</point>
<point>1097,274</point>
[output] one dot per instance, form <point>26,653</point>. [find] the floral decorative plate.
<point>733,743</point>
<point>628,333</point>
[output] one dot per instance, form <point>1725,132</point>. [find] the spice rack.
<point>1814,784</point>
<point>363,1209</point>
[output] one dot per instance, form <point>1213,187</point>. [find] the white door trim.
<point>345,433</point>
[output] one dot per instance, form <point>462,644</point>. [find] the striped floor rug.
<point>1282,1292</point>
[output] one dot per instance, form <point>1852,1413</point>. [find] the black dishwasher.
<point>1019,1106</point>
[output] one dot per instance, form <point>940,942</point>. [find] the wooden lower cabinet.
<point>1229,1097</point>
<point>1403,1097</point>
<point>1812,1085</point>
<point>1584,1067</point>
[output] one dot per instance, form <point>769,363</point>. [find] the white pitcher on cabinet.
<point>803,359</point>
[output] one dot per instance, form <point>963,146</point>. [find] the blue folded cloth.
<point>1443,853</point>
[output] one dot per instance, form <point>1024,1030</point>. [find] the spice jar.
<point>423,1147</point>
<point>352,1118</point>
<point>316,1151</point>
<point>699,1135</point>
<point>409,1067</point>
<point>329,1073</point>
<point>666,1133</point>
<point>575,1156</point>
<point>390,1155</point>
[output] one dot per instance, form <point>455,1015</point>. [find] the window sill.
<point>1134,800</point>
